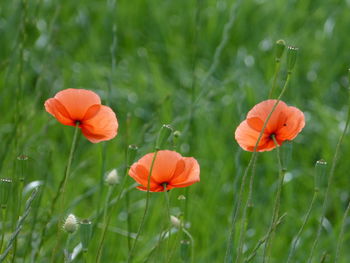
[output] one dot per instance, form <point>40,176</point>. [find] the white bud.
<point>112,177</point>
<point>175,221</point>
<point>71,224</point>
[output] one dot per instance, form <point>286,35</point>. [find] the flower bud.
<point>5,191</point>
<point>185,251</point>
<point>320,174</point>
<point>292,53</point>
<point>112,177</point>
<point>71,224</point>
<point>85,233</point>
<point>176,222</point>
<point>131,154</point>
<point>163,135</point>
<point>280,46</point>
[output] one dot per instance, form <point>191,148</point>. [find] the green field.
<point>200,66</point>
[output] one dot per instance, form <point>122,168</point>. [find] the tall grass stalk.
<point>59,193</point>
<point>19,225</point>
<point>252,161</point>
<point>341,235</point>
<point>330,181</point>
<point>306,218</point>
<point>168,225</point>
<point>146,207</point>
<point>277,201</point>
<point>263,240</point>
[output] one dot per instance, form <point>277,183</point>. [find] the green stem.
<point>61,191</point>
<point>252,163</point>
<point>192,242</point>
<point>297,236</point>
<point>341,235</point>
<point>263,240</point>
<point>146,208</point>
<point>329,184</point>
<point>107,222</point>
<point>277,201</point>
<point>168,226</point>
<point>3,227</point>
<point>68,258</point>
<point>277,70</point>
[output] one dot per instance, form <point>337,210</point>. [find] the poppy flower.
<point>285,123</point>
<point>71,106</point>
<point>170,169</point>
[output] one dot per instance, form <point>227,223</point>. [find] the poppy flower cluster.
<point>170,170</point>
<point>83,107</point>
<point>285,123</point>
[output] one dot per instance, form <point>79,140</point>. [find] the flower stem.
<point>252,163</point>
<point>297,236</point>
<point>341,235</point>
<point>277,70</point>
<point>277,201</point>
<point>168,226</point>
<point>146,208</point>
<point>107,220</point>
<point>329,183</point>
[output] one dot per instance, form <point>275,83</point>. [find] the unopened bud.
<point>85,233</point>
<point>185,250</point>
<point>320,174</point>
<point>292,54</point>
<point>71,224</point>
<point>280,46</point>
<point>131,154</point>
<point>175,221</point>
<point>163,135</point>
<point>112,177</point>
<point>181,197</point>
<point>5,191</point>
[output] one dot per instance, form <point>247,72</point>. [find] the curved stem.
<point>251,163</point>
<point>146,208</point>
<point>277,201</point>
<point>297,236</point>
<point>341,235</point>
<point>277,70</point>
<point>329,184</point>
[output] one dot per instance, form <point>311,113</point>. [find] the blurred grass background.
<point>157,60</point>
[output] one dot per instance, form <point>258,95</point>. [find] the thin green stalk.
<point>297,236</point>
<point>329,184</point>
<point>68,255</point>
<point>277,201</point>
<point>341,235</point>
<point>62,189</point>
<point>3,227</point>
<point>192,242</point>
<point>263,240</point>
<point>102,176</point>
<point>168,226</point>
<point>251,163</point>
<point>107,222</point>
<point>277,70</point>
<point>146,208</point>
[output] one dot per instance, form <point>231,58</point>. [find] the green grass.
<point>163,52</point>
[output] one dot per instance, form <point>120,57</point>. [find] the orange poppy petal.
<point>247,137</point>
<point>56,109</point>
<point>294,123</point>
<point>164,165</point>
<point>259,113</point>
<point>188,173</point>
<point>140,175</point>
<point>100,124</point>
<point>77,101</point>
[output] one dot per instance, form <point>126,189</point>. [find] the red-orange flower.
<point>285,124</point>
<point>70,106</point>
<point>170,169</point>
